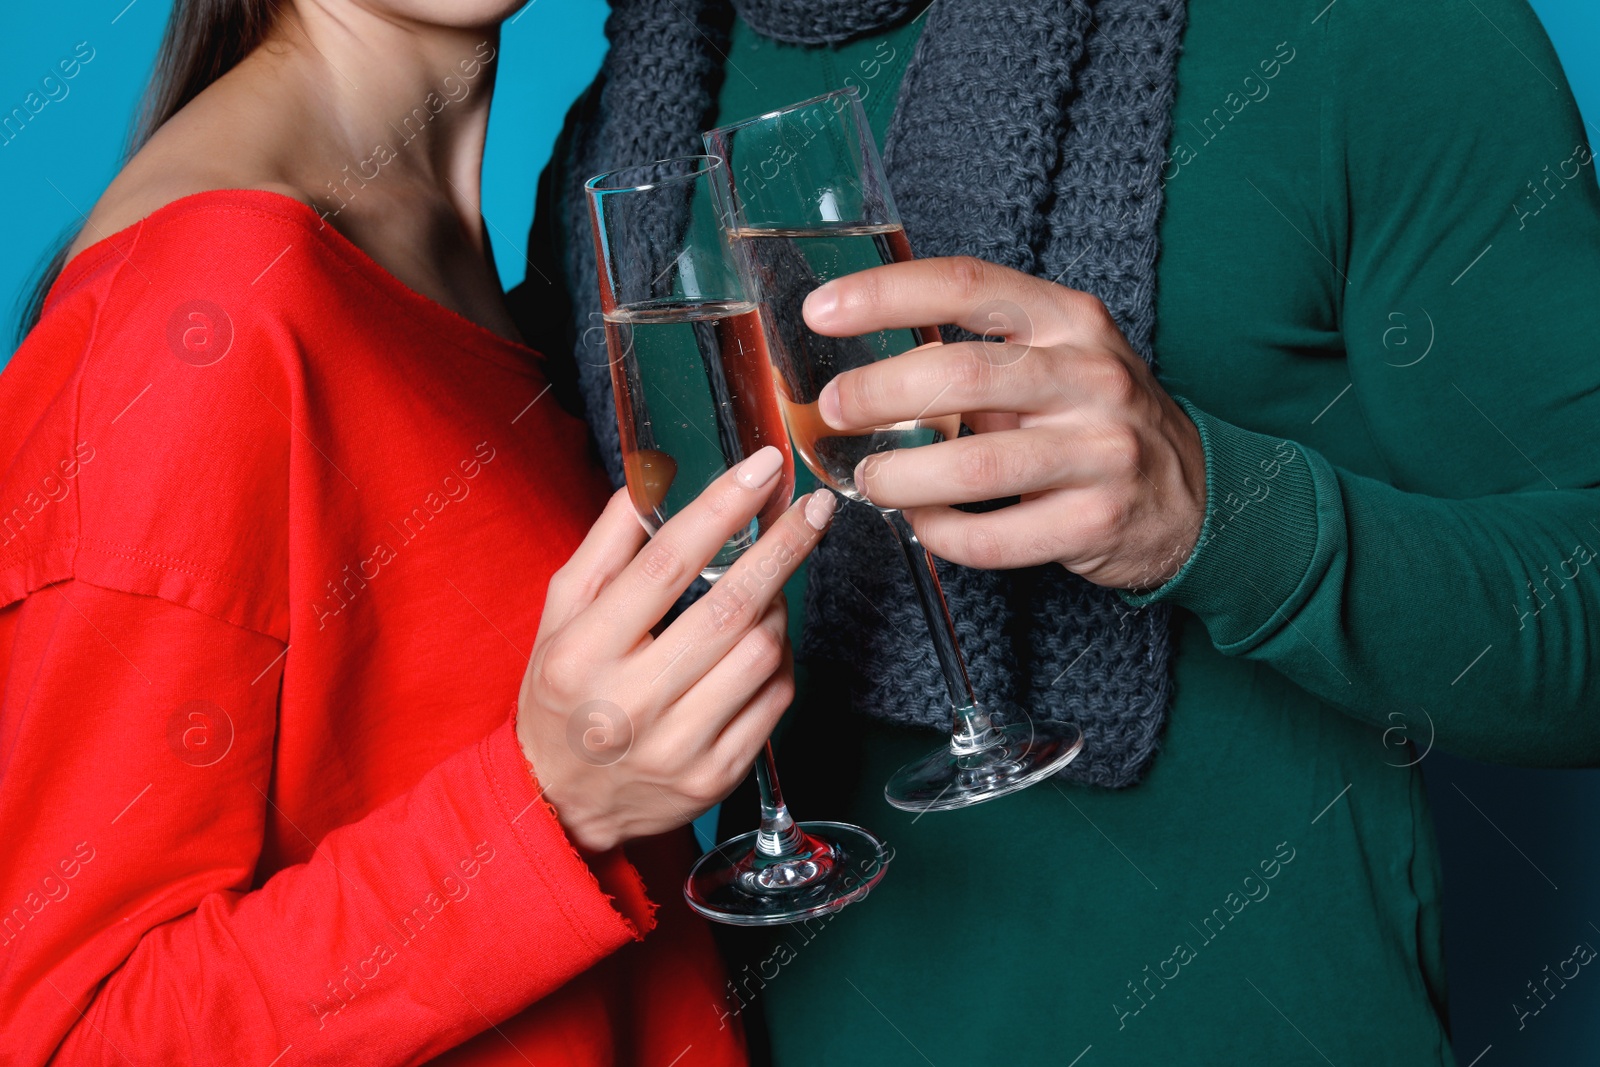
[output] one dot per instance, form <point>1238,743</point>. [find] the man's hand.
<point>1110,470</point>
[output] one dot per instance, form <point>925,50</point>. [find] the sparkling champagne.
<point>791,263</point>
<point>694,396</point>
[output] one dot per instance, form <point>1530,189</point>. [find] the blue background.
<point>1522,870</point>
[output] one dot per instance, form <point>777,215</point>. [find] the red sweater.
<point>274,536</point>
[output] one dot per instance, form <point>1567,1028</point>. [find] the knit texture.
<point>1030,133</point>
<point>822,23</point>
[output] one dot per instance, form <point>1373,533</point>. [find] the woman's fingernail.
<point>759,469</point>
<point>822,300</point>
<point>819,509</point>
<point>828,405</point>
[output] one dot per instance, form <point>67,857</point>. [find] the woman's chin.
<point>457,14</point>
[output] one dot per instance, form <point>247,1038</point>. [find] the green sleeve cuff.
<point>1258,550</point>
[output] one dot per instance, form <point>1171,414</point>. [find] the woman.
<point>285,518</point>
<point>1361,240</point>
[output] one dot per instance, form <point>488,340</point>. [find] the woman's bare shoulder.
<point>199,150</point>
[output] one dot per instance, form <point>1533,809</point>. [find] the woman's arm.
<point>139,736</point>
<point>137,740</point>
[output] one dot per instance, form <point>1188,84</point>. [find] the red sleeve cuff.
<point>603,897</point>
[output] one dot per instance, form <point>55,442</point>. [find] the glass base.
<point>835,864</point>
<point>1015,756</point>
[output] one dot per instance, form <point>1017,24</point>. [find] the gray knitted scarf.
<point>1030,133</point>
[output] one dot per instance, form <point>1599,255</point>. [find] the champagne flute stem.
<point>972,731</point>
<point>778,838</point>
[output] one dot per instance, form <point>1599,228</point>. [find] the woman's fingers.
<point>705,633</point>
<point>736,747</point>
<point>611,542</point>
<point>759,656</point>
<point>652,581</point>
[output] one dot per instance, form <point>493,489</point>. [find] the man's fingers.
<point>984,298</point>
<point>991,421</point>
<point>657,575</point>
<point>936,380</point>
<point>703,635</point>
<point>971,469</point>
<point>1024,535</point>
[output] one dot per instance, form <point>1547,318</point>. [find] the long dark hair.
<point>204,40</point>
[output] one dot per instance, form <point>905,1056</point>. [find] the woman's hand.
<point>1109,468</point>
<point>632,734</point>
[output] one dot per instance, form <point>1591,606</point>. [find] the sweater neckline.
<point>452,325</point>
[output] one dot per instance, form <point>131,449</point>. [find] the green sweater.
<point>1379,296</point>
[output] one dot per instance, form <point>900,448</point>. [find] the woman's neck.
<point>383,103</point>
<point>377,124</point>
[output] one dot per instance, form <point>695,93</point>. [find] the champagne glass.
<point>694,396</point>
<point>806,196</point>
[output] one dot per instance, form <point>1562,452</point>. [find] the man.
<point>1359,242</point>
